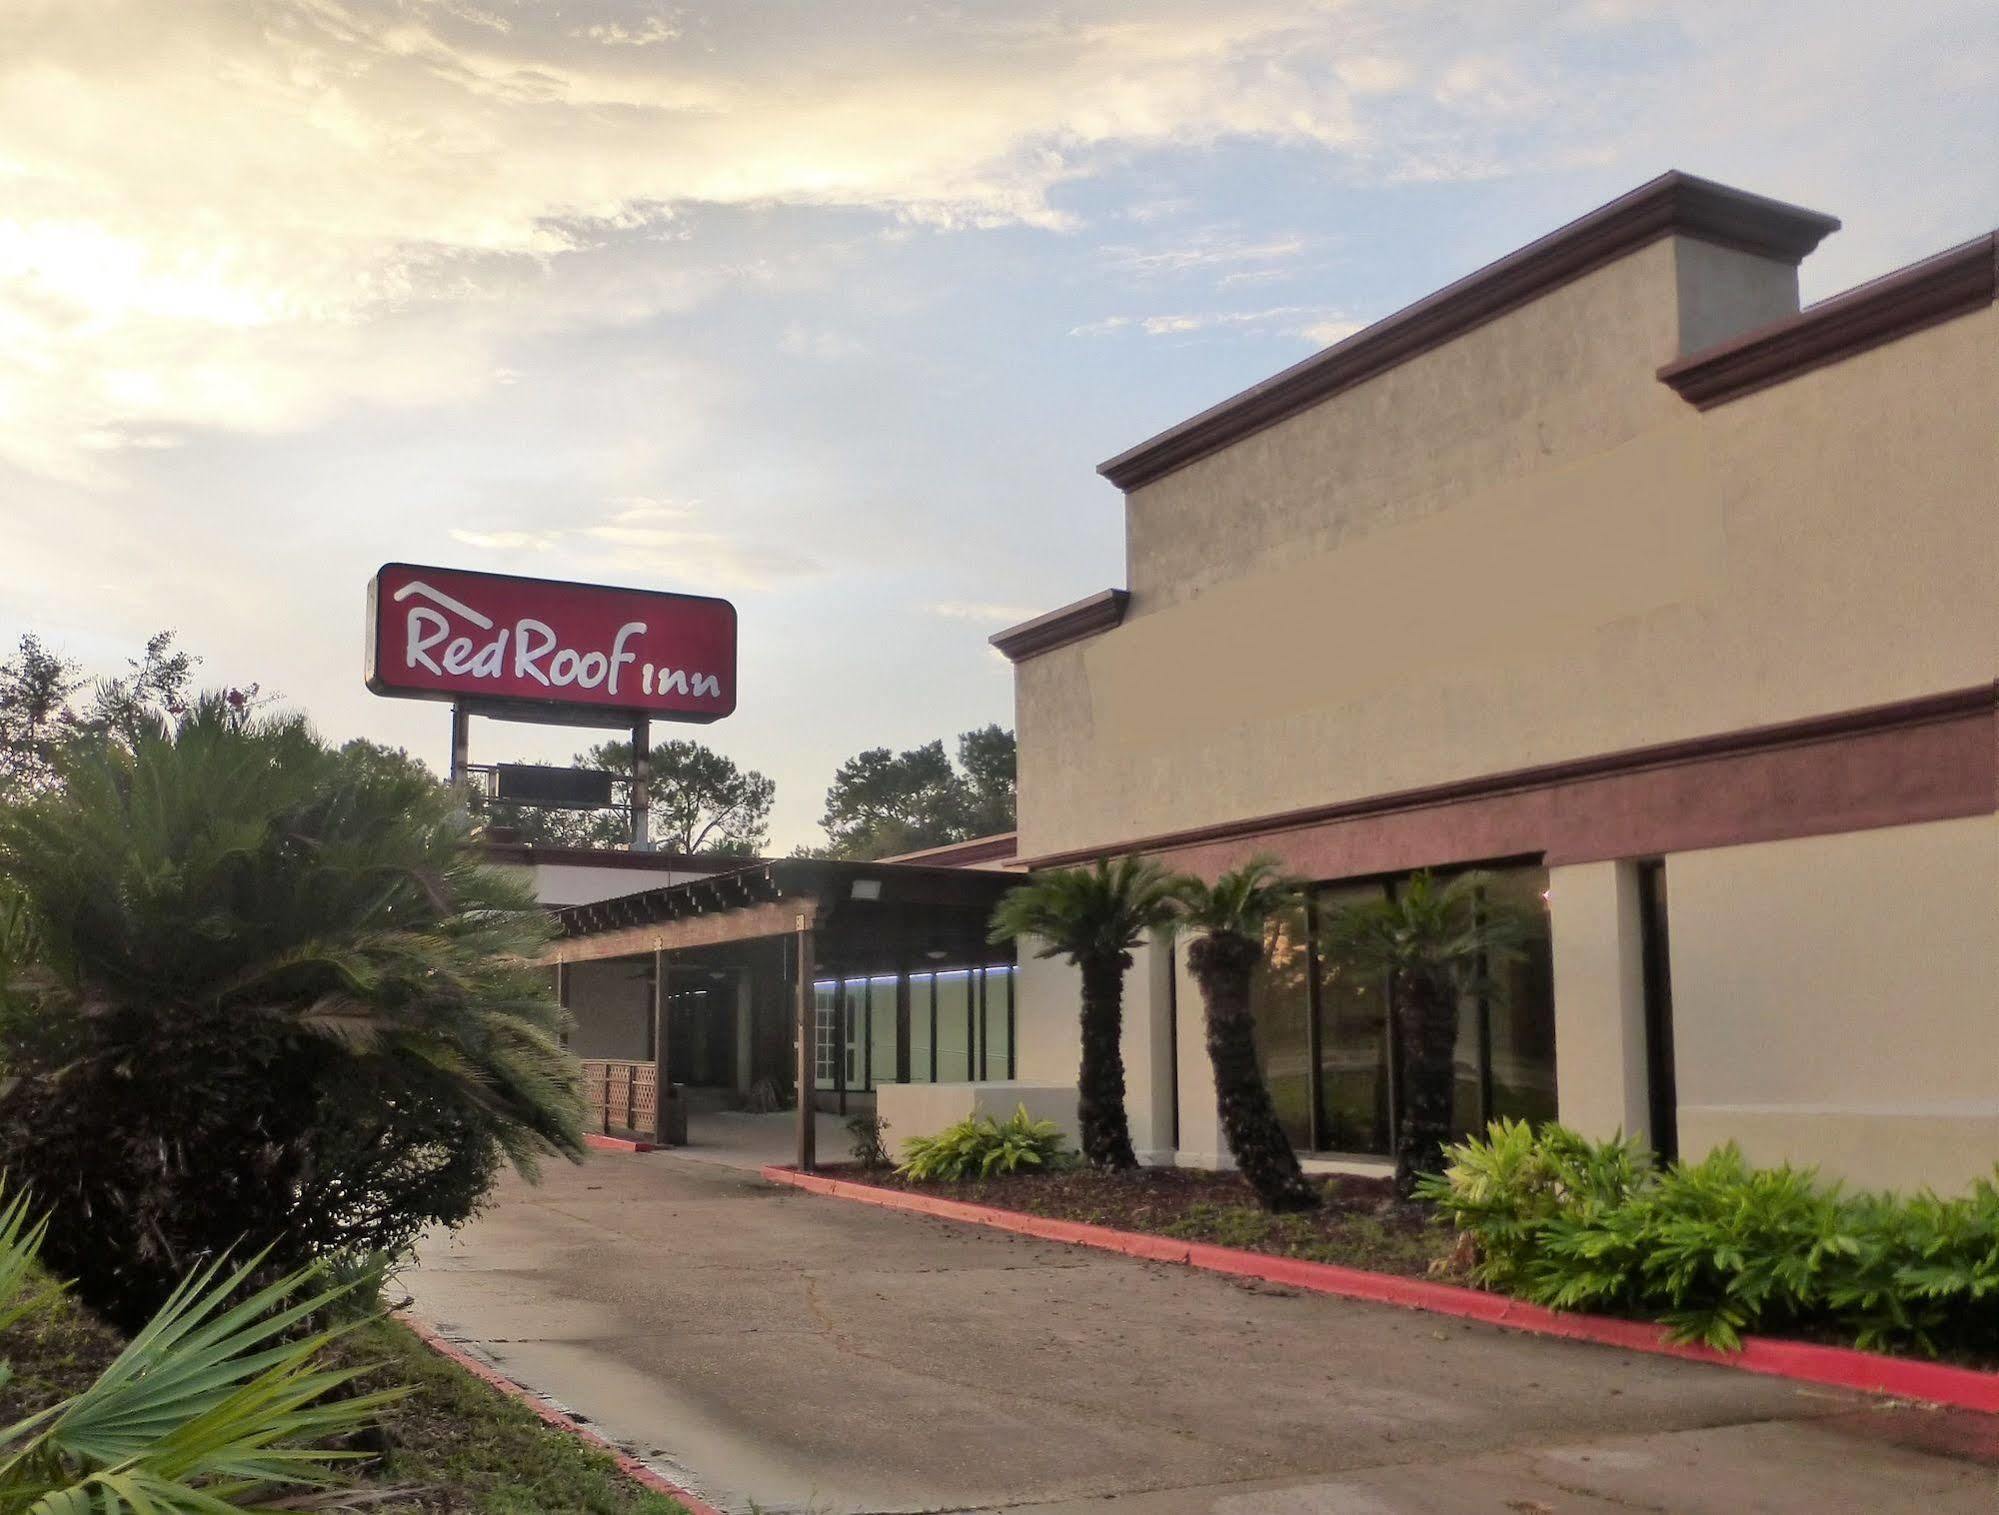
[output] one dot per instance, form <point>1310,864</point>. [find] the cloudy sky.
<point>828,307</point>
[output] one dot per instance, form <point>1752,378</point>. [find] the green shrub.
<point>262,993</point>
<point>979,1147</point>
<point>1717,1248</point>
<point>869,1148</point>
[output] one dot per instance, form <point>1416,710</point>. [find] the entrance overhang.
<point>832,917</point>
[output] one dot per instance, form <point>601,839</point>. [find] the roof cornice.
<point>1672,204</point>
<point>1100,612</point>
<point>1951,284</point>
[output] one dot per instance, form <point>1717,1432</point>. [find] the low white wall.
<point>1048,1020</point>
<point>925,1109</point>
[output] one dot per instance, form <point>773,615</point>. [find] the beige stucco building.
<point>1610,568</point>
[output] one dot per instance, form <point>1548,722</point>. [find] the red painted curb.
<point>629,1465</point>
<point>615,1143</point>
<point>1806,1362</point>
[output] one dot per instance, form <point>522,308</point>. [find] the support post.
<point>642,785</point>
<point>461,743</point>
<point>808,1130</point>
<point>662,1085</point>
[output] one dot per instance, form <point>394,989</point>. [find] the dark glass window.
<point>1520,1020</point>
<point>1324,1041</point>
<point>1280,1000</point>
<point>1354,1054</point>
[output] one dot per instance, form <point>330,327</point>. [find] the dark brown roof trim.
<point>974,849</point>
<point>1938,289</point>
<point>1100,612</point>
<point>1903,714</point>
<point>1673,203</point>
<point>528,854</point>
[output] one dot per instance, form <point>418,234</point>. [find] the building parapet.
<point>1938,289</point>
<point>1672,204</point>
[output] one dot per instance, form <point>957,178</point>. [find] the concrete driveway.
<point>814,1355</point>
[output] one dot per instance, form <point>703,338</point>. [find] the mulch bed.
<point>1360,1223</point>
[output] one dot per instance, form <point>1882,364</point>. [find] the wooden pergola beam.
<point>774,918</point>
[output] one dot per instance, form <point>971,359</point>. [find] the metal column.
<point>808,1071</point>
<point>662,1084</point>
<point>641,785</point>
<point>461,743</point>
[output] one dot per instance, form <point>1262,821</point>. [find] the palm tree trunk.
<point>1100,1085</point>
<point>1224,962</point>
<point>1427,1024</point>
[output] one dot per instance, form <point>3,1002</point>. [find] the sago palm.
<point>1094,917</point>
<point>1436,943</point>
<point>273,994</point>
<point>1229,918</point>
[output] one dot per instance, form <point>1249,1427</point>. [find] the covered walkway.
<point>734,992</point>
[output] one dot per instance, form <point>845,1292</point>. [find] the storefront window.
<point>922,988</point>
<point>1345,1099</point>
<point>1281,1003</point>
<point>996,1046</point>
<point>825,1045</point>
<point>961,1028</point>
<point>1354,1054</point>
<point>1521,1057</point>
<point>881,1030</point>
<point>955,1003</point>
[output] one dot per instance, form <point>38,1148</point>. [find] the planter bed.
<point>1359,1225</point>
<point>999,1206</point>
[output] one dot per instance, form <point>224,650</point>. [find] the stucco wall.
<point>1050,1039</point>
<point>1522,548</point>
<point>1836,1001</point>
<point>1600,1044</point>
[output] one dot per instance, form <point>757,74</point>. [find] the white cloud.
<point>1317,323</point>
<point>225,214</point>
<point>1326,333</point>
<point>971,610</point>
<point>822,343</point>
<point>651,30</point>
<point>641,537</point>
<point>507,541</point>
<point>1206,251</point>
<point>219,214</point>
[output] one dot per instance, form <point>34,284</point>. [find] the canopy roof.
<point>865,914</point>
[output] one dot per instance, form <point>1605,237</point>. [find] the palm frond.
<point>1100,911</point>
<point>1242,901</point>
<point>1458,931</point>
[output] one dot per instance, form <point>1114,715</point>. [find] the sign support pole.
<point>461,743</point>
<point>641,784</point>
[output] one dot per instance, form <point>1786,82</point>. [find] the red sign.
<point>493,639</point>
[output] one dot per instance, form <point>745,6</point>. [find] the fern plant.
<point>981,1147</point>
<point>1719,1248</point>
